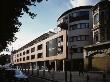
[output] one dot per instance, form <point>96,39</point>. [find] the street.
<point>35,79</point>
<point>60,77</point>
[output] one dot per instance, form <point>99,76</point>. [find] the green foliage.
<point>10,11</point>
<point>4,59</point>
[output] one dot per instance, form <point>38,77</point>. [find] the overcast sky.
<point>46,19</point>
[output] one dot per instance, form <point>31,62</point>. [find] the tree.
<point>11,10</point>
<point>4,59</point>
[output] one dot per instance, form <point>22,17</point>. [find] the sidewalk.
<point>60,76</point>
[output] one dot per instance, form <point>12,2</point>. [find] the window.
<point>23,58</point>
<point>32,49</point>
<point>71,39</point>
<point>17,55</point>
<point>76,50</point>
<point>27,58</point>
<point>84,25</point>
<point>73,27</point>
<point>24,53</point>
<point>27,52</point>
<point>17,60</point>
<point>83,38</point>
<point>80,15</point>
<point>32,56</point>
<point>39,55</point>
<point>60,39</point>
<point>84,13</point>
<point>79,38</point>
<point>96,37</point>
<point>60,50</point>
<point>20,59</point>
<point>75,14</point>
<point>39,47</point>
<point>96,18</point>
<point>20,54</point>
<point>80,50</point>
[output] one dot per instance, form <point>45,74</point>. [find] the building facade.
<point>48,50</point>
<point>101,18</point>
<point>97,55</point>
<point>78,23</point>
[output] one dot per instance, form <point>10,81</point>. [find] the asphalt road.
<point>35,79</point>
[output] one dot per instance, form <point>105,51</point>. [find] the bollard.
<point>88,78</point>
<point>25,70</point>
<point>65,76</point>
<point>32,71</point>
<point>28,70</point>
<point>43,73</point>
<point>37,72</point>
<point>52,74</point>
<point>104,76</point>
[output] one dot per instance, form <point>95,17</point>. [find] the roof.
<point>76,8</point>
<point>38,39</point>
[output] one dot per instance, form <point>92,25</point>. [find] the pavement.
<point>54,76</point>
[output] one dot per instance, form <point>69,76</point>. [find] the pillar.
<point>55,65</point>
<point>63,65</point>
<point>36,66</point>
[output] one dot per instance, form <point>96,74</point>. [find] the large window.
<point>96,18</point>
<point>52,47</point>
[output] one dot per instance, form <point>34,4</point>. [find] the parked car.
<point>17,75</point>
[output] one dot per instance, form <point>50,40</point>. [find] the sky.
<point>46,20</point>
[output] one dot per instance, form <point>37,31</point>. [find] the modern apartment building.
<point>97,55</point>
<point>78,23</point>
<point>48,50</point>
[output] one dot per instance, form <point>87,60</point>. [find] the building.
<point>101,18</point>
<point>97,55</point>
<point>52,49</point>
<point>48,50</point>
<point>78,23</point>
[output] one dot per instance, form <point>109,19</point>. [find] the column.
<point>36,65</point>
<point>64,65</point>
<point>55,65</point>
<point>30,66</point>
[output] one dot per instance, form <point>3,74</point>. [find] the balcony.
<point>63,25</point>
